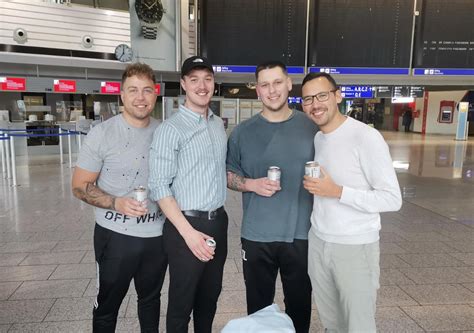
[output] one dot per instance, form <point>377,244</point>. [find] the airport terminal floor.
<point>47,269</point>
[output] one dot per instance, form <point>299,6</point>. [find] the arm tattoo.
<point>95,196</point>
<point>236,182</point>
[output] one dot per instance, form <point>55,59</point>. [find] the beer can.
<point>139,193</point>
<point>312,169</point>
<point>211,243</point>
<point>274,173</point>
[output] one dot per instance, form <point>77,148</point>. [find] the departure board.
<point>446,34</point>
<point>248,32</point>
<point>360,33</point>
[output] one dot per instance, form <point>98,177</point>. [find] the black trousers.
<point>195,286</point>
<point>121,258</point>
<point>261,262</point>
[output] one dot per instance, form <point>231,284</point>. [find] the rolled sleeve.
<point>163,161</point>
<point>233,154</point>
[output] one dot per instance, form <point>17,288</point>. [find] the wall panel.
<point>59,26</point>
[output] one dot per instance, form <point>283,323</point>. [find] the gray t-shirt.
<point>119,152</point>
<point>257,144</point>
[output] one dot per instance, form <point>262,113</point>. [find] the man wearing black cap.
<point>188,179</point>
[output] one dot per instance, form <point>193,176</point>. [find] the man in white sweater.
<point>357,183</point>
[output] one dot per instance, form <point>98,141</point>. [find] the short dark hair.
<point>312,76</point>
<point>269,65</point>
<point>138,69</point>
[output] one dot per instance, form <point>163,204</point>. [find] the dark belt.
<point>209,215</point>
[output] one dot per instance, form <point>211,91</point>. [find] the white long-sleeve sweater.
<point>356,157</point>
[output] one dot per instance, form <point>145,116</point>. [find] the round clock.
<point>123,53</point>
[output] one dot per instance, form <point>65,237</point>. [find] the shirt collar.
<point>194,115</point>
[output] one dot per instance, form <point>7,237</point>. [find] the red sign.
<point>158,89</point>
<point>66,86</point>
<point>12,83</point>
<point>107,87</point>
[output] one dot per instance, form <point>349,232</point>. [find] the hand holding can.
<point>274,173</point>
<point>140,194</point>
<point>312,169</point>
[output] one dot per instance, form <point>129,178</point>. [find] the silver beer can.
<point>312,169</point>
<point>211,243</point>
<point>139,193</point>
<point>274,173</point>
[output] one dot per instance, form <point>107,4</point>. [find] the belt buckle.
<point>211,215</point>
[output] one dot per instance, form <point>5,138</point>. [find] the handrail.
<point>10,134</point>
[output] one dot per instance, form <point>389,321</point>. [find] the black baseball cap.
<point>195,62</point>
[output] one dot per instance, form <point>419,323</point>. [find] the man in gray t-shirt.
<point>276,215</point>
<point>128,240</point>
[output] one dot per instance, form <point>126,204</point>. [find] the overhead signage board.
<point>443,71</point>
<point>64,86</point>
<point>109,87</point>
<point>357,92</point>
<point>383,92</point>
<point>417,91</point>
<point>13,83</point>
<point>408,91</point>
<point>360,70</point>
<point>251,69</point>
<point>401,91</point>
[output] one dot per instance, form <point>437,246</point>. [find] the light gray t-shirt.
<point>119,152</point>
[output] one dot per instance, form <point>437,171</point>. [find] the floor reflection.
<point>432,156</point>
<point>435,172</point>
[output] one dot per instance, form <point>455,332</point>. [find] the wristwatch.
<point>150,13</point>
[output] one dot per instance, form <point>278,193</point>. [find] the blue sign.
<point>234,69</point>
<point>357,92</point>
<point>251,69</point>
<point>295,70</point>
<point>443,71</point>
<point>361,70</point>
<point>294,100</point>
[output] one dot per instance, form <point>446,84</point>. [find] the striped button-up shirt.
<point>187,161</point>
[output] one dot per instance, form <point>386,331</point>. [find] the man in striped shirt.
<point>188,179</point>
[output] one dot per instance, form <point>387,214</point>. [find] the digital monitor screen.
<point>444,35</point>
<point>357,92</point>
<point>383,92</point>
<point>356,33</point>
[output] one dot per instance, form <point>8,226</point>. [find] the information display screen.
<point>360,33</point>
<point>445,36</point>
<point>416,91</point>
<point>247,32</point>
<point>408,91</point>
<point>399,91</point>
<point>357,92</point>
<point>383,92</point>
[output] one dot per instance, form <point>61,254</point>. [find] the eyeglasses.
<point>320,97</point>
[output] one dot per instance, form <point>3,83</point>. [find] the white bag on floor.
<point>266,320</point>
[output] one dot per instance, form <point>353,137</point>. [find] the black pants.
<point>195,286</point>
<point>261,262</point>
<point>121,258</point>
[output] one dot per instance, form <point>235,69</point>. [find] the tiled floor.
<point>427,282</point>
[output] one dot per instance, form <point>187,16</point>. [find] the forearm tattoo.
<point>95,196</point>
<point>235,182</point>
